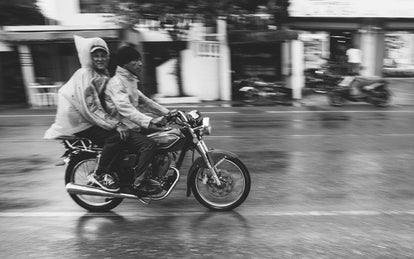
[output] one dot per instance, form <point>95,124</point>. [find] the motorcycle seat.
<point>78,141</point>
<point>67,137</point>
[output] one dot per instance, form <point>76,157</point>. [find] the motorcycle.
<point>359,89</point>
<point>321,80</point>
<point>217,178</point>
<point>253,91</point>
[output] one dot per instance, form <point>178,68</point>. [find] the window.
<point>95,6</point>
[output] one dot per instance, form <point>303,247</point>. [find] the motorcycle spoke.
<point>231,188</point>
<point>80,177</point>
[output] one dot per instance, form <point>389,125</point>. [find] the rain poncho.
<point>79,107</point>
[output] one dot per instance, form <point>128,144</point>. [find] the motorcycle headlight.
<point>206,130</point>
<point>195,118</point>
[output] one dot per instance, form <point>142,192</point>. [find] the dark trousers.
<point>145,147</point>
<point>111,142</point>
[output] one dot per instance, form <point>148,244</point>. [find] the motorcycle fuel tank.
<point>168,139</point>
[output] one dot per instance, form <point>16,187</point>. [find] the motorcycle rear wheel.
<point>235,188</point>
<point>77,171</point>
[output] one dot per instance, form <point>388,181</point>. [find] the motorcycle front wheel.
<point>335,99</point>
<point>380,98</point>
<point>250,96</point>
<point>77,171</point>
<point>233,190</point>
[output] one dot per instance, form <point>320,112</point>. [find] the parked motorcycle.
<point>321,80</point>
<point>217,178</point>
<point>256,91</point>
<point>360,89</point>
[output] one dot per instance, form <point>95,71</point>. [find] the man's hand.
<point>159,122</point>
<point>122,130</point>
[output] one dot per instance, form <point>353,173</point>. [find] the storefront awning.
<point>249,36</point>
<point>16,34</point>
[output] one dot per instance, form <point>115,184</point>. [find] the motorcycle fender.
<point>373,86</point>
<point>215,155</point>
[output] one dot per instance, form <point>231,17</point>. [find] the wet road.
<point>326,183</point>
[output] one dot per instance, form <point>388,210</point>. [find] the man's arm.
<point>91,104</point>
<point>151,106</point>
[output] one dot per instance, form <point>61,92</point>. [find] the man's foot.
<point>105,181</point>
<point>148,181</point>
<point>147,186</point>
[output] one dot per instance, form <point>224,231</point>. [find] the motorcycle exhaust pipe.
<point>88,190</point>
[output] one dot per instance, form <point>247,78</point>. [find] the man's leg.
<point>112,146</point>
<point>111,142</point>
<point>142,145</point>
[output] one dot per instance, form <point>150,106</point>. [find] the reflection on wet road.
<point>325,184</point>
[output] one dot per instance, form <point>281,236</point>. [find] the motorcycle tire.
<point>235,188</point>
<point>251,96</point>
<point>76,172</point>
<point>335,99</point>
<point>381,98</point>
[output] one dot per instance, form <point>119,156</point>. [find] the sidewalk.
<point>402,90</point>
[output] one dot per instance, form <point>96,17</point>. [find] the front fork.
<point>203,150</point>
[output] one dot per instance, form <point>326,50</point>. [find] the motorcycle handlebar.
<point>172,115</point>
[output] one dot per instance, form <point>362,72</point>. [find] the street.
<point>326,183</point>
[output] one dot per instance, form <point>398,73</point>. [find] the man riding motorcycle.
<point>124,101</point>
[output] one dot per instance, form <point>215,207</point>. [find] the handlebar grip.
<point>171,115</point>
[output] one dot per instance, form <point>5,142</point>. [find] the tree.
<point>20,13</point>
<point>175,15</point>
<point>175,11</point>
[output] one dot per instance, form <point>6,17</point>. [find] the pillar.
<point>372,46</point>
<point>286,60</point>
<point>26,63</point>
<point>297,78</point>
<point>224,61</point>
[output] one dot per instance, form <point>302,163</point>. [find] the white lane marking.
<point>249,213</point>
<point>230,112</point>
<point>8,140</point>
<point>345,111</point>
<point>25,115</point>
<point>192,106</point>
<point>319,135</point>
<point>234,112</point>
<point>53,115</point>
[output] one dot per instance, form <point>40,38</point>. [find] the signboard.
<point>352,8</point>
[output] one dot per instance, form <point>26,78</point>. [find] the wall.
<point>67,12</point>
<point>201,77</point>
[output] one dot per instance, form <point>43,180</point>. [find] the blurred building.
<point>203,64</point>
<point>381,30</point>
<point>198,67</point>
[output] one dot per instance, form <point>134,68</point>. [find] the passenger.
<point>80,111</point>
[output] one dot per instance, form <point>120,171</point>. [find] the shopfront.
<point>382,32</point>
<point>40,59</point>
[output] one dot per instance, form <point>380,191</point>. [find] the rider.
<point>124,101</point>
<point>80,112</point>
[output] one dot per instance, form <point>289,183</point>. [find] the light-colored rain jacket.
<point>79,106</point>
<point>125,102</point>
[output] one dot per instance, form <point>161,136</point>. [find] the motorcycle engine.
<point>161,164</point>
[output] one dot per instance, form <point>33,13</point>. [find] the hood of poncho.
<point>83,47</point>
